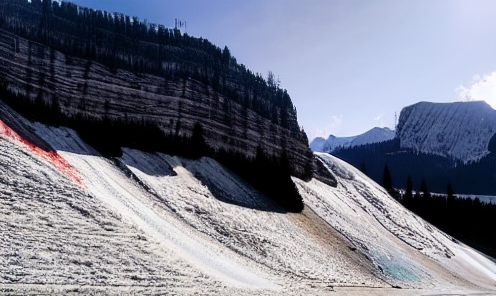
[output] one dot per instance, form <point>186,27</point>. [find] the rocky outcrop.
<point>90,89</point>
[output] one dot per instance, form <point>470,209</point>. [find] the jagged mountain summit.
<point>374,135</point>
<point>74,222</point>
<point>460,130</point>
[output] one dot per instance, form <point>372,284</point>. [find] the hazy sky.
<point>348,65</point>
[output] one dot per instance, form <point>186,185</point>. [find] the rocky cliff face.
<point>89,89</point>
<point>461,130</point>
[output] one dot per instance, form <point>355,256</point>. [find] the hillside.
<point>64,64</point>
<point>154,223</point>
<point>375,135</point>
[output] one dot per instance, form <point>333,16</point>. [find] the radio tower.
<point>180,24</point>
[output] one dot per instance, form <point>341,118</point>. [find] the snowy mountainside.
<point>374,135</point>
<point>155,223</point>
<point>461,130</point>
<point>317,144</point>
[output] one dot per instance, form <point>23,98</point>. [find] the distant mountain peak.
<point>461,130</point>
<point>317,144</point>
<point>376,134</point>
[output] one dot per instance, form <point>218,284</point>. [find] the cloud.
<point>483,88</point>
<point>378,118</point>
<point>337,120</point>
<point>331,128</point>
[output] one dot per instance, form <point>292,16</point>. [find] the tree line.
<point>477,177</point>
<point>410,177</point>
<point>269,174</point>
<point>466,219</point>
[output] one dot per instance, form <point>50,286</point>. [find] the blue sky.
<point>348,65</point>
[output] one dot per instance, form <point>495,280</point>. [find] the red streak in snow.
<point>52,156</point>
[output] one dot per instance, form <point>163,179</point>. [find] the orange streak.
<point>53,157</point>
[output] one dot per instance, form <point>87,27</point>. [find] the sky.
<point>348,65</point>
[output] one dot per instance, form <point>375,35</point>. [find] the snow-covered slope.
<point>154,223</point>
<point>374,135</point>
<point>461,130</point>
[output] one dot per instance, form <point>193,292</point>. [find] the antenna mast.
<point>395,120</point>
<point>179,24</point>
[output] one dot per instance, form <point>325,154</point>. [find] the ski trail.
<point>110,185</point>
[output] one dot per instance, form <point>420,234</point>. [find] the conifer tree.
<point>449,190</point>
<point>387,182</point>
<point>423,188</point>
<point>409,189</point>
<point>198,144</point>
<point>492,144</point>
<point>363,168</point>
